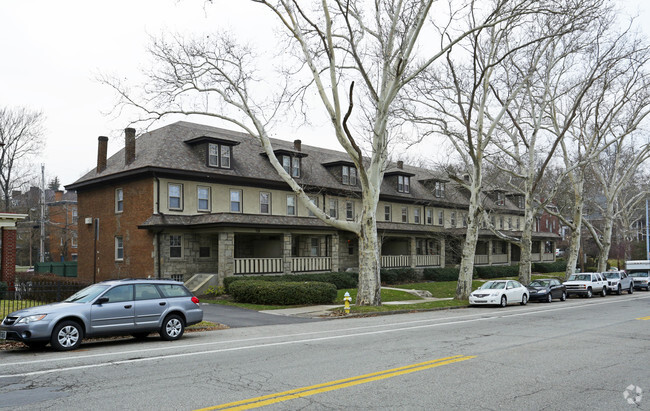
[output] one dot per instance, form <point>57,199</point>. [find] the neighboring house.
<point>62,226</point>
<point>188,198</point>
<point>8,247</point>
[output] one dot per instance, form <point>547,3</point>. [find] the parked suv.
<point>586,284</point>
<point>617,281</point>
<point>117,307</point>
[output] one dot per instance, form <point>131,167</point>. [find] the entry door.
<point>116,315</point>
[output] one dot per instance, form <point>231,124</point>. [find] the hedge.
<point>557,266</point>
<point>441,274</point>
<point>398,276</point>
<point>496,271</point>
<point>340,280</point>
<point>282,293</point>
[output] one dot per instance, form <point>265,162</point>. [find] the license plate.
<point>3,335</point>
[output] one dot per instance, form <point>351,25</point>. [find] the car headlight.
<point>31,319</point>
<point>494,294</point>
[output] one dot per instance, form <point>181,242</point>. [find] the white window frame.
<point>119,248</point>
<point>353,176</point>
<point>405,214</point>
<point>388,213</point>
<point>239,201</point>
<point>428,216</point>
<point>452,219</point>
<point>441,217</point>
<point>314,201</point>
<point>416,215</point>
<point>345,175</point>
<point>334,208</point>
<point>174,244</point>
<point>180,196</point>
<point>286,164</point>
<point>119,200</point>
<point>349,210</point>
<point>267,203</point>
<point>213,154</point>
<point>224,156</point>
<point>291,202</point>
<point>207,190</point>
<point>439,189</point>
<point>295,167</point>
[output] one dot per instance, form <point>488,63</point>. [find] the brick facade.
<point>98,203</point>
<point>8,264</point>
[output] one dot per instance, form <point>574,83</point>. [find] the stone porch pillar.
<point>334,242</point>
<point>413,252</point>
<point>443,245</point>
<point>489,252</point>
<point>509,251</point>
<point>286,253</point>
<point>226,255</point>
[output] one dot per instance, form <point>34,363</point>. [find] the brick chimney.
<point>400,164</point>
<point>129,145</point>
<point>297,145</point>
<point>58,195</point>
<point>102,149</point>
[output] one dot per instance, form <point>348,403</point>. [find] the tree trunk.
<point>526,251</point>
<point>606,242</point>
<point>464,286</point>
<point>574,247</point>
<point>369,289</point>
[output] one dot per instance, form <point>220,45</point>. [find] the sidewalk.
<point>324,310</point>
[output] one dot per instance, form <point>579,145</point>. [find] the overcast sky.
<point>52,52</point>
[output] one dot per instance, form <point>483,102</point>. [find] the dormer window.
<point>349,175</point>
<point>439,189</point>
<point>520,201</point>
<point>403,184</point>
<point>218,155</point>
<point>291,165</point>
<point>501,198</point>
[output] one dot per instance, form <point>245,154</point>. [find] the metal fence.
<point>29,294</point>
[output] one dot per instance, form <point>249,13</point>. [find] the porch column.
<point>413,252</point>
<point>226,255</point>
<point>489,252</point>
<point>8,256</point>
<point>442,253</point>
<point>334,242</point>
<point>509,251</point>
<point>286,253</point>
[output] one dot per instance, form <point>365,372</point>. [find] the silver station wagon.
<point>118,307</point>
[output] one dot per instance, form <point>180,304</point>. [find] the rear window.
<point>173,290</point>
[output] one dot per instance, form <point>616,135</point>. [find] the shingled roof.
<point>171,150</point>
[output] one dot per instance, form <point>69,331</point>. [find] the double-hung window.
<point>439,189</point>
<point>452,219</point>
<point>429,216</point>
<point>295,167</point>
<point>405,215</point>
<point>314,201</point>
<point>235,201</point>
<point>349,176</point>
<point>175,246</point>
<point>349,210</point>
<point>441,217</point>
<point>286,164</point>
<point>175,196</point>
<point>387,213</point>
<point>265,202</point>
<point>219,155</point>
<point>416,215</point>
<point>225,156</point>
<point>334,208</point>
<point>291,204</point>
<point>119,200</point>
<point>119,248</point>
<point>203,197</point>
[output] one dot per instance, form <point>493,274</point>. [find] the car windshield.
<point>539,283</point>
<point>87,294</point>
<point>493,285</point>
<point>580,277</point>
<point>612,276</point>
<point>638,274</point>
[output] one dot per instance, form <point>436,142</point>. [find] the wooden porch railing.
<point>304,264</point>
<point>394,261</point>
<point>427,260</point>
<point>258,265</point>
<point>499,258</point>
<point>535,257</point>
<point>480,259</point>
<point>548,257</point>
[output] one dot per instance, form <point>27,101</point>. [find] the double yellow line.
<point>335,385</point>
<point>644,318</point>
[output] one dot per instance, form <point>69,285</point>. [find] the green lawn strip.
<point>401,307</point>
<point>386,295</point>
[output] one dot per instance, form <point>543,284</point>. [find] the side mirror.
<point>101,300</point>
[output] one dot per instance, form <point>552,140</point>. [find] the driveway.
<point>236,317</point>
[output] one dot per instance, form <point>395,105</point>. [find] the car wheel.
<point>618,290</point>
<point>66,336</point>
<point>549,299</point>
<point>603,292</point>
<point>563,297</point>
<point>172,328</point>
<point>630,290</point>
<point>589,293</point>
<point>524,299</point>
<point>504,301</point>
<point>140,336</point>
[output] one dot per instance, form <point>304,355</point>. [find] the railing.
<point>258,265</point>
<point>480,259</point>
<point>427,260</point>
<point>31,293</point>
<point>394,261</point>
<point>304,264</point>
<point>548,257</point>
<point>535,257</point>
<point>499,258</point>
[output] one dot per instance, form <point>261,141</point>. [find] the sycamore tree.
<point>474,90</point>
<point>350,60</point>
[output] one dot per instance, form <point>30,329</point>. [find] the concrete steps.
<point>200,282</point>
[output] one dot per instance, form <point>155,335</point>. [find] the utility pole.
<point>42,248</point>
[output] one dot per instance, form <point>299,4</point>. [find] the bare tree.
<point>355,59</point>
<point>21,132</point>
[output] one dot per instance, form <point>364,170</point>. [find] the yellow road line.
<point>335,385</point>
<point>644,318</point>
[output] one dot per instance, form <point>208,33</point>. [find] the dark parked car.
<point>546,290</point>
<point>119,307</point>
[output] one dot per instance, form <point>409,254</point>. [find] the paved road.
<point>581,354</point>
<point>235,317</point>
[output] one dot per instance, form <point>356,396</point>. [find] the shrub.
<point>282,293</point>
<point>3,289</point>
<point>340,280</point>
<point>496,271</point>
<point>398,276</point>
<point>215,291</point>
<point>441,274</point>
<point>554,267</point>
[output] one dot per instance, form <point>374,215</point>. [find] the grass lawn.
<point>386,295</point>
<point>417,306</point>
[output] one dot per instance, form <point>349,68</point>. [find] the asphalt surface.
<point>235,317</point>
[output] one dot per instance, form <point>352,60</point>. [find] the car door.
<point>149,307</point>
<point>115,315</point>
<point>556,289</point>
<point>513,292</point>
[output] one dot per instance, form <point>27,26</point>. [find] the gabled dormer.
<point>436,185</point>
<point>218,151</point>
<point>518,199</point>
<point>399,178</point>
<point>344,171</point>
<point>291,160</point>
<point>498,196</point>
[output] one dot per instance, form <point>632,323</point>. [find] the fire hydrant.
<point>347,299</point>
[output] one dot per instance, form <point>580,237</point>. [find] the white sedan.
<point>500,292</point>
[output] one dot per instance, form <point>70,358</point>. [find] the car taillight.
<point>195,300</point>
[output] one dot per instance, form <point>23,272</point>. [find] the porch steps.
<point>199,283</point>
